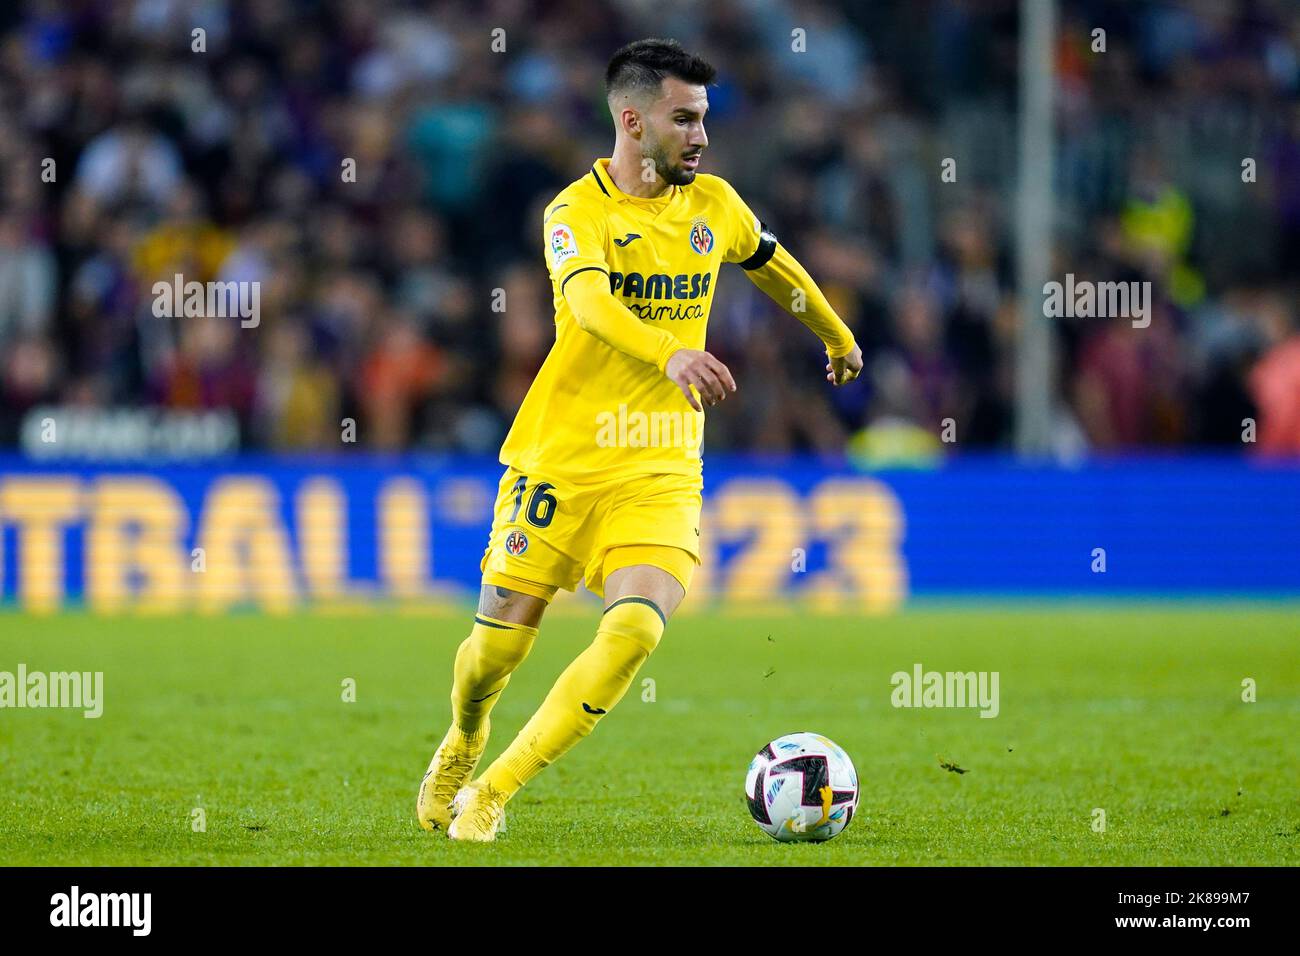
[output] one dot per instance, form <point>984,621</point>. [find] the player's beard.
<point>669,165</point>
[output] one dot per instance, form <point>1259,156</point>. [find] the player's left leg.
<point>643,585</point>
<point>503,632</point>
<point>505,627</point>
<point>524,564</point>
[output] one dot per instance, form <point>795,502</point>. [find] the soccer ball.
<point>802,788</point>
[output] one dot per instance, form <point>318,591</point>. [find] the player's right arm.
<point>575,250</point>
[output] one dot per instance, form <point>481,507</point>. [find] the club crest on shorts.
<point>516,543</point>
<point>701,237</point>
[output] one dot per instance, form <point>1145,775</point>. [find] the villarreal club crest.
<point>516,543</point>
<point>701,237</point>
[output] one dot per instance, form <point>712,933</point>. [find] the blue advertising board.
<point>278,533</point>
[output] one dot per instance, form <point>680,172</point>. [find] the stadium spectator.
<point>379,169</point>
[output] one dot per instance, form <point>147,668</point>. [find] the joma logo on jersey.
<point>660,286</point>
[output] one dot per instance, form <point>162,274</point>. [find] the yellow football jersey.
<point>595,413</point>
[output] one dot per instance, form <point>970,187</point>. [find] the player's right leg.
<point>642,586</point>
<point>503,633</point>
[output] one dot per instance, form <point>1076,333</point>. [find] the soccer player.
<point>633,248</point>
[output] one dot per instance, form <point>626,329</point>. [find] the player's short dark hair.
<point>642,66</point>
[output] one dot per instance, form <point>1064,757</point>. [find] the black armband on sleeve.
<point>766,248</point>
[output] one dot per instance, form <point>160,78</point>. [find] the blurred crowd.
<point>213,138</point>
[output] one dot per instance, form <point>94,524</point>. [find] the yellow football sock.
<point>484,663</point>
<point>587,690</point>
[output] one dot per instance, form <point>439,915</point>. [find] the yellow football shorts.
<point>548,535</point>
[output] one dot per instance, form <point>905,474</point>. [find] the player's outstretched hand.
<point>842,370</point>
<point>710,377</point>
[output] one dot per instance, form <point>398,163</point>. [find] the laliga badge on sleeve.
<point>563,245</point>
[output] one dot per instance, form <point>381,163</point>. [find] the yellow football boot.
<point>452,765</point>
<point>478,813</point>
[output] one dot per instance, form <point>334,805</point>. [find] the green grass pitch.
<point>1133,709</point>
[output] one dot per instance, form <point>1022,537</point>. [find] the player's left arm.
<point>786,283</point>
<point>772,268</point>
